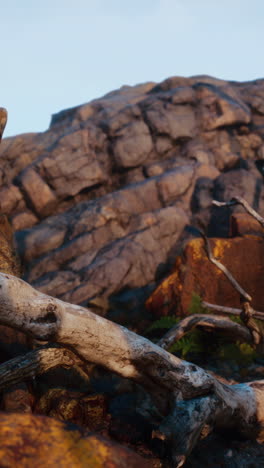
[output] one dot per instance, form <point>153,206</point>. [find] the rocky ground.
<point>103,202</point>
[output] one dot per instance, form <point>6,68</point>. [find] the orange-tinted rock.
<point>39,441</point>
<point>18,399</point>
<point>85,410</point>
<point>194,273</point>
<point>243,224</point>
<point>165,300</point>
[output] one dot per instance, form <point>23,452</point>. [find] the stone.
<point>130,262</point>
<point>243,224</point>
<point>88,411</point>
<point>18,399</point>
<point>176,121</point>
<point>261,152</point>
<point>254,96</point>
<point>174,183</point>
<point>39,193</point>
<point>163,144</point>
<point>199,153</point>
<point>30,440</point>
<point>24,220</point>
<point>249,145</point>
<point>33,243</point>
<point>58,283</point>
<point>183,95</point>
<point>10,198</point>
<point>195,274</point>
<point>103,202</point>
<point>240,182</point>
<point>111,172</point>
<point>132,145</point>
<point>72,165</point>
<point>218,108</point>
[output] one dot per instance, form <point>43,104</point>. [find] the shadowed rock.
<point>100,201</point>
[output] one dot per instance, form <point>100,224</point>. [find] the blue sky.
<point>57,54</point>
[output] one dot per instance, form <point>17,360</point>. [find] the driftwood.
<point>187,397</point>
<point>207,323</point>
<point>230,310</point>
<point>35,363</point>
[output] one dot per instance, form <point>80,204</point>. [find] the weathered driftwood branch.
<point>243,294</point>
<point>231,310</point>
<point>247,314</point>
<point>35,363</point>
<point>206,323</point>
<point>167,378</point>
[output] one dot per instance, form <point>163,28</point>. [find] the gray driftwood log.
<point>187,397</point>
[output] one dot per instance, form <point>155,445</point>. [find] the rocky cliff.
<point>102,200</point>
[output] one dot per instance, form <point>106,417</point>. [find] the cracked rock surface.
<point>101,201</point>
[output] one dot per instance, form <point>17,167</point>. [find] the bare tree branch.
<point>35,363</point>
<point>221,267</point>
<point>247,313</point>
<point>231,310</point>
<point>168,379</point>
<point>207,323</point>
<point>247,316</point>
<point>244,203</point>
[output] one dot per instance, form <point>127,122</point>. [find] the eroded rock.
<point>27,440</point>
<point>195,274</point>
<point>98,188</point>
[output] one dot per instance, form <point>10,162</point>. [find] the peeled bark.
<point>187,396</point>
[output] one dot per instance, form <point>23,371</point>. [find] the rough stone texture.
<point>100,201</point>
<point>194,273</point>
<point>39,441</point>
<point>39,193</point>
<point>243,224</point>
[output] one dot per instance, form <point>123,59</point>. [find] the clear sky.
<point>57,54</point>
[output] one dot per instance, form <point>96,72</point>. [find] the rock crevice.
<point>100,201</point>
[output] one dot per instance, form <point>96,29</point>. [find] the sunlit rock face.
<point>102,200</point>
<point>41,441</point>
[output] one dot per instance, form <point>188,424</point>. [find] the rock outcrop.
<point>195,274</point>
<point>30,440</point>
<point>100,201</point>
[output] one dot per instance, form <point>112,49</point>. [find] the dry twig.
<point>244,203</point>
<point>206,323</point>
<point>168,379</point>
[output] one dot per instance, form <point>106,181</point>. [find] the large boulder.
<point>100,202</point>
<point>193,273</point>
<point>39,441</point>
